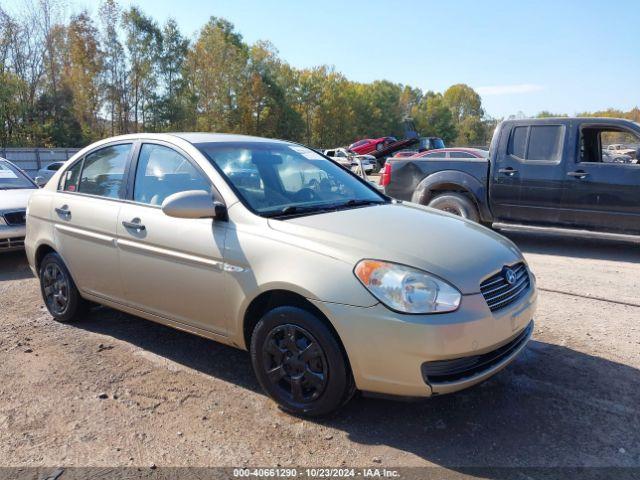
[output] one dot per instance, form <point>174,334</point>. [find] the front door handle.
<point>508,171</point>
<point>578,174</point>
<point>134,225</point>
<point>63,211</point>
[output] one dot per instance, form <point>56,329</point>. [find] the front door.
<point>604,183</point>
<point>528,177</point>
<point>86,208</point>
<point>171,267</point>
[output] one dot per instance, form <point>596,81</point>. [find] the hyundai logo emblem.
<point>509,276</point>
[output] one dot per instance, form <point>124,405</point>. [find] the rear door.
<point>603,189</point>
<point>528,177</point>
<point>85,214</point>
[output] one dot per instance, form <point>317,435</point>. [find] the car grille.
<point>499,293</point>
<point>442,371</point>
<point>15,242</point>
<point>15,218</point>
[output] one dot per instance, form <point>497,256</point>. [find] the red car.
<point>368,145</point>
<point>461,152</point>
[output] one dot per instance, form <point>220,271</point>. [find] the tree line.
<point>66,81</point>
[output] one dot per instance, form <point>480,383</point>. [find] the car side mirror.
<point>40,181</point>
<point>194,204</point>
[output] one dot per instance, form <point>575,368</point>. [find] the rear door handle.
<point>63,211</point>
<point>579,174</point>
<point>508,171</point>
<point>134,225</point>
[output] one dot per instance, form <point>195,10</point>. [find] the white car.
<point>347,159</point>
<point>45,173</point>
<point>618,149</point>
<point>15,189</point>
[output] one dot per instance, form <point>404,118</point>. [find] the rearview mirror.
<point>40,181</point>
<point>194,204</point>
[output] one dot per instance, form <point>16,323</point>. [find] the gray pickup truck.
<point>553,172</point>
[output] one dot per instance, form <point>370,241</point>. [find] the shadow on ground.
<point>553,406</point>
<point>14,266</point>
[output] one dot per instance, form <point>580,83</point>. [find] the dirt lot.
<point>119,390</point>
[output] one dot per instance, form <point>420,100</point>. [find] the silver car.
<point>15,189</point>
<point>45,173</point>
<point>266,245</point>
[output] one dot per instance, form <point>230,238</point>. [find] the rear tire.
<point>456,204</point>
<point>299,363</point>
<point>59,292</point>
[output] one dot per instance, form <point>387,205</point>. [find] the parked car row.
<point>350,160</point>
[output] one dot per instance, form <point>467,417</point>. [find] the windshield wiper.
<point>359,203</point>
<point>294,210</point>
<point>297,210</point>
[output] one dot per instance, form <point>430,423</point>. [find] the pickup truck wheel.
<point>457,204</point>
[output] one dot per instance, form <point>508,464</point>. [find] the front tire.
<point>299,362</point>
<point>457,204</point>
<point>59,292</point>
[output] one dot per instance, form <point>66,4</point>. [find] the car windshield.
<point>437,143</point>
<point>13,179</point>
<point>279,179</point>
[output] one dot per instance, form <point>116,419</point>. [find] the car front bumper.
<point>12,237</point>
<point>391,353</point>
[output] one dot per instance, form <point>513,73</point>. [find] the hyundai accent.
<point>265,245</point>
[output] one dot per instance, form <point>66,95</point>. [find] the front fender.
<point>453,180</point>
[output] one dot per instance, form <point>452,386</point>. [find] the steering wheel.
<point>305,194</point>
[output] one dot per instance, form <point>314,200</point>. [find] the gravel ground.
<point>116,390</point>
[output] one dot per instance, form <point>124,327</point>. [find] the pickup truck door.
<point>603,191</point>
<point>527,177</point>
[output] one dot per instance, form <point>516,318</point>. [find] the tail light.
<point>385,177</point>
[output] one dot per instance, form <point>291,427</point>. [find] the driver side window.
<point>161,172</point>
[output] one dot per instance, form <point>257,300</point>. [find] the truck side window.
<point>545,143</point>
<point>608,145</point>
<point>518,142</point>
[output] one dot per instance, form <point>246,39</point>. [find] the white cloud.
<point>509,89</point>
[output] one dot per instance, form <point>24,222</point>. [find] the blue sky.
<point>565,56</point>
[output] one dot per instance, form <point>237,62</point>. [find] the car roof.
<point>475,151</point>
<point>203,137</point>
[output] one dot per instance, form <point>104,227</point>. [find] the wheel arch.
<point>270,299</point>
<point>453,181</point>
<point>41,251</point>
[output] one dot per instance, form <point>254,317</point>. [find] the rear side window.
<point>71,178</point>
<point>518,142</point>
<point>103,172</point>
<point>435,155</point>
<point>545,142</point>
<point>162,172</point>
<point>460,155</point>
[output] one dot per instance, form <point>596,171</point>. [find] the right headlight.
<point>406,289</point>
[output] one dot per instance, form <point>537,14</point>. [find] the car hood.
<point>456,250</point>
<point>15,199</point>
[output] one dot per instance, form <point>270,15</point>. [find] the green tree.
<point>81,75</point>
<point>144,45</point>
<point>433,117</point>
<point>215,69</point>
<point>463,101</point>
<point>172,107</point>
